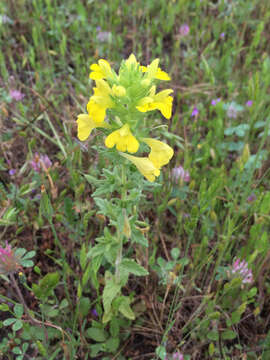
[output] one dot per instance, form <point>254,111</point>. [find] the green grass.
<point>45,52</point>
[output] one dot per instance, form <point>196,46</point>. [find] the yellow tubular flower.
<point>86,124</point>
<point>123,139</point>
<point>161,101</point>
<point>144,165</point>
<point>155,72</point>
<point>100,101</point>
<point>160,154</point>
<point>102,70</point>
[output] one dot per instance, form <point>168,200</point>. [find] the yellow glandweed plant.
<point>119,107</point>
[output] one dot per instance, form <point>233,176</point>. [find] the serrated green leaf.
<point>111,290</point>
<point>130,266</point>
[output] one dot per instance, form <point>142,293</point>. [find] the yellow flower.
<point>86,124</point>
<point>102,94</point>
<point>100,101</point>
<point>123,139</point>
<point>161,101</point>
<point>155,72</point>
<point>101,70</point>
<point>96,112</point>
<point>160,154</point>
<point>144,165</point>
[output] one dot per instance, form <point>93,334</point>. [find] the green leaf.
<point>96,334</point>
<point>29,255</point>
<point>96,349</point>
<point>212,335</point>
<point>211,349</point>
<point>27,263</point>
<point>125,308</point>
<point>111,290</point>
<point>18,310</point>
<point>4,307</point>
<point>228,335</point>
<point>83,257</point>
<point>132,267</point>
<point>175,252</point>
<point>46,285</point>
<point>114,327</point>
<point>17,325</point>
<point>84,306</point>
<point>9,321</point>
<point>112,344</point>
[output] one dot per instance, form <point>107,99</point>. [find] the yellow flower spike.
<point>144,165</point>
<point>86,124</point>
<point>123,139</point>
<point>160,154</point>
<point>131,61</point>
<point>102,70</point>
<point>118,90</point>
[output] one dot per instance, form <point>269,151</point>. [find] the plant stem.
<point>120,231</point>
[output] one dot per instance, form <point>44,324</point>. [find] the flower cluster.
<point>9,262</point>
<point>240,269</point>
<point>179,173</point>
<point>175,356</point>
<point>124,97</point>
<point>40,162</point>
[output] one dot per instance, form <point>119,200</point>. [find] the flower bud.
<point>118,90</point>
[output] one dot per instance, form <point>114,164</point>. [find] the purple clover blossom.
<point>195,112</point>
<point>252,197</point>
<point>40,162</point>
<point>12,172</point>
<point>249,103</point>
<point>94,312</point>
<point>178,356</point>
<point>184,30</point>
<point>16,95</point>
<point>103,36</point>
<point>180,173</point>
<point>215,101</point>
<point>9,262</point>
<point>175,356</point>
<point>222,35</point>
<point>240,269</point>
<point>232,112</point>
